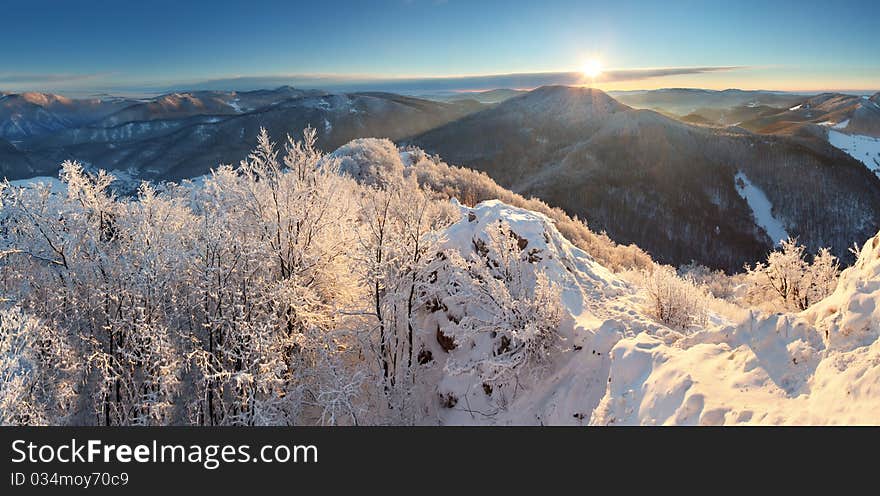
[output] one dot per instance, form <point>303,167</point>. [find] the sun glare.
<point>592,69</point>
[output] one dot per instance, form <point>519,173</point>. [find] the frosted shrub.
<point>268,272</point>
<point>787,276</point>
<point>716,282</point>
<point>139,377</point>
<point>38,372</point>
<point>396,237</point>
<point>677,302</point>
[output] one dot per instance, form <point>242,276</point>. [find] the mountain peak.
<point>41,99</point>
<point>570,104</point>
<point>556,89</point>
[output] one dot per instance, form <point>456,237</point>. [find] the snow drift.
<point>821,366</point>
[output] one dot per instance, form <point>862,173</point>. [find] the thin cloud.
<point>447,83</point>
<point>533,80</point>
<point>413,85</point>
<point>639,74</point>
<point>44,78</point>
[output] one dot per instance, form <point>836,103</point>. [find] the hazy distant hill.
<point>24,115</point>
<point>730,116</point>
<point>683,101</point>
<point>672,188</point>
<point>764,112</point>
<point>489,97</point>
<point>203,103</point>
<point>183,135</point>
<point>853,114</point>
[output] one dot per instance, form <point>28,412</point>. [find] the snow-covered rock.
<point>573,269</point>
<point>573,381</point>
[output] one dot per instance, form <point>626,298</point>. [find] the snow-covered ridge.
<point>821,366</point>
<point>124,181</point>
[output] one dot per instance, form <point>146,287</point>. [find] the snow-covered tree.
<point>39,372</point>
<point>788,276</point>
<point>399,222</point>
<point>270,273</point>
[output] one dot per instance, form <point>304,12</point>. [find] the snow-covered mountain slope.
<point>615,365</point>
<point>657,182</point>
<point>762,208</point>
<point>865,149</point>
<point>818,367</point>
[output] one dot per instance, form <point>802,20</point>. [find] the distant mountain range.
<point>682,101</point>
<point>806,115</point>
<point>490,96</point>
<point>668,186</point>
<point>182,135</point>
<point>710,176</point>
<point>24,115</point>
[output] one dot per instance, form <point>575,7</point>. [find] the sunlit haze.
<point>449,45</point>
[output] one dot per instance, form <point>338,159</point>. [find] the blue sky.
<point>151,45</point>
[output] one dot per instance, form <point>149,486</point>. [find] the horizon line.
<point>424,94</point>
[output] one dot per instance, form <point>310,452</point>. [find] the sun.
<point>592,69</point>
